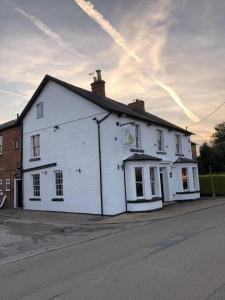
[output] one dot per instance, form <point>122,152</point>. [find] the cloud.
<point>90,10</point>
<point>47,31</point>
<point>12,93</point>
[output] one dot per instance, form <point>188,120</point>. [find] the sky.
<point>169,53</point>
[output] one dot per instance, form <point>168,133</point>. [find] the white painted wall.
<point>74,146</point>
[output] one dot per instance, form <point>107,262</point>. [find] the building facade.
<point>85,153</point>
<point>10,164</point>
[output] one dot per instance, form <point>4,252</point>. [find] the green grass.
<point>219,184</point>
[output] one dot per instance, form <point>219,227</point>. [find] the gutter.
<point>100,157</point>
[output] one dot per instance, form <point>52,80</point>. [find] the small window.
<point>139,182</point>
<point>185,178</point>
<point>36,185</point>
<point>16,144</point>
<point>40,110</point>
<point>195,178</point>
<point>35,145</point>
<point>59,183</point>
<point>0,185</point>
<point>1,145</point>
<point>137,136</point>
<point>153,182</point>
<point>7,184</point>
<point>178,144</point>
<point>160,140</point>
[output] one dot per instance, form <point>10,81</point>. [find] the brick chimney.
<point>137,104</point>
<point>98,86</point>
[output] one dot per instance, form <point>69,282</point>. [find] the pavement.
<point>175,253</point>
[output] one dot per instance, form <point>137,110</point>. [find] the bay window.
<point>139,182</point>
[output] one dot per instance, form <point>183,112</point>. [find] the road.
<point>178,258</point>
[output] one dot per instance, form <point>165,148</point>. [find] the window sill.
<point>161,152</point>
<point>58,199</point>
<point>155,199</point>
<point>35,199</point>
<point>137,150</point>
<point>179,154</point>
<point>188,192</point>
<point>35,159</point>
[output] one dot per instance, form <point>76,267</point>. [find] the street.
<point>182,257</point>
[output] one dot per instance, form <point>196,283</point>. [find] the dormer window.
<point>178,144</point>
<point>40,110</point>
<point>160,140</point>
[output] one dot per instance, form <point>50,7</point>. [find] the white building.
<point>85,153</point>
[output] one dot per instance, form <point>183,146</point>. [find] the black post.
<point>212,182</point>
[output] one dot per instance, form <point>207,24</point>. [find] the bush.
<point>219,184</point>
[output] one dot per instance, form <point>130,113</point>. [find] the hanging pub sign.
<point>129,136</point>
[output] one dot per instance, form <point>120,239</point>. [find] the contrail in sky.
<point>90,10</point>
<point>47,31</point>
<point>12,93</point>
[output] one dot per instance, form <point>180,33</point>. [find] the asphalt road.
<point>178,258</point>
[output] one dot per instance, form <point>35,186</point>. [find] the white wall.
<point>73,146</point>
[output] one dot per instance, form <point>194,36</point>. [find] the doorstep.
<point>166,203</point>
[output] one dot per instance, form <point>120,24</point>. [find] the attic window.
<point>40,110</point>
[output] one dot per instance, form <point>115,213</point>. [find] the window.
<point>0,185</point>
<point>137,136</point>
<point>195,178</point>
<point>153,180</point>
<point>178,143</point>
<point>36,185</point>
<point>59,183</point>
<point>185,178</point>
<point>139,182</point>
<point>160,141</point>
<point>7,184</point>
<point>16,144</point>
<point>40,110</point>
<point>36,145</point>
<point>1,145</point>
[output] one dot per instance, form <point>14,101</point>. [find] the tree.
<point>218,137</point>
<point>213,154</point>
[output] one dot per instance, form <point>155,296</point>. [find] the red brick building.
<point>10,164</point>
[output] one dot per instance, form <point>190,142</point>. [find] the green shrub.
<point>219,184</point>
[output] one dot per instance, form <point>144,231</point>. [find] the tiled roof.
<point>8,125</point>
<point>105,103</point>
<point>182,160</point>
<point>142,157</point>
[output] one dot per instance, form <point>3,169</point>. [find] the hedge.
<point>219,185</point>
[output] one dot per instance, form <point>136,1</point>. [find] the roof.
<point>105,103</point>
<point>142,157</point>
<point>8,125</point>
<point>182,160</point>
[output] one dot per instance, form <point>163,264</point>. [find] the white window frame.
<point>36,184</point>
<point>7,185</point>
<point>1,145</point>
<point>160,138</point>
<point>35,150</point>
<point>1,185</point>
<point>58,185</point>
<point>195,178</point>
<point>40,110</point>
<point>138,182</point>
<point>153,181</point>
<point>178,143</point>
<point>16,144</point>
<point>188,184</point>
<point>137,136</point>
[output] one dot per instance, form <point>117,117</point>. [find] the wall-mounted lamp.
<point>78,170</point>
<point>56,127</point>
<point>118,167</point>
<point>171,174</point>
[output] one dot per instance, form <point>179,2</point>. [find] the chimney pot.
<point>137,104</point>
<point>98,85</point>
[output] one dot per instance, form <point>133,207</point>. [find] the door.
<point>162,186</point>
<point>19,200</point>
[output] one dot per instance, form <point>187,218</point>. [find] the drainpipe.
<point>125,188</point>
<point>100,157</point>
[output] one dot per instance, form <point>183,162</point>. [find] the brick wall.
<point>10,161</point>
